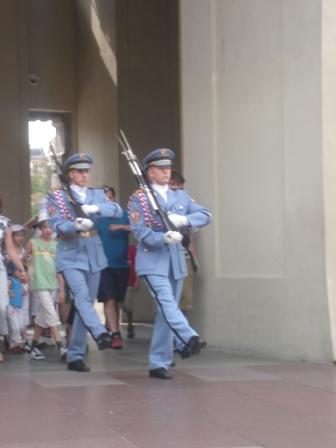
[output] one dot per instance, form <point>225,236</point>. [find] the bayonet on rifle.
<point>65,184</point>
<point>143,183</point>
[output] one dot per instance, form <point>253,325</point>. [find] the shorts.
<point>46,315</point>
<point>35,301</point>
<point>25,310</point>
<point>113,284</point>
<point>34,304</point>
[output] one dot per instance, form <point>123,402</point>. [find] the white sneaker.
<point>36,354</point>
<point>63,353</point>
<point>26,347</point>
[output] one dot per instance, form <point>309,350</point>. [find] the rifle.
<point>65,184</point>
<point>143,183</point>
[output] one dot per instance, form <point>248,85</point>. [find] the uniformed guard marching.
<point>160,260</point>
<point>80,256</point>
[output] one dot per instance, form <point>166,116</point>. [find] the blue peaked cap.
<point>158,157</point>
<point>79,161</point>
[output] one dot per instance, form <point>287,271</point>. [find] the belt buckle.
<point>85,234</point>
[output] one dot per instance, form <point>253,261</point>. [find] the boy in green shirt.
<point>44,284</point>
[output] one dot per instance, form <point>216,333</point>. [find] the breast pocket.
<point>179,209</point>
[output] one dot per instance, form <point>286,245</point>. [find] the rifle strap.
<point>150,218</point>
<point>64,209</point>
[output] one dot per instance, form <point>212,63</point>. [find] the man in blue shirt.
<point>114,234</point>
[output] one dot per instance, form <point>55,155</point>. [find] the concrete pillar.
<point>148,102</point>
<point>329,156</point>
<point>253,151</point>
<point>148,93</point>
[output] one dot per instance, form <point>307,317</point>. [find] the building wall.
<point>252,71</point>
<point>258,137</point>
<point>65,44</point>
<point>96,88</point>
<point>329,156</point>
<point>36,37</point>
<point>13,128</point>
<point>148,107</point>
<point>148,92</point>
<point>70,49</point>
<point>51,54</point>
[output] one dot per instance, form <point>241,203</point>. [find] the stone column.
<point>253,151</point>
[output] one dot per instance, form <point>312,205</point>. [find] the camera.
<point>33,79</point>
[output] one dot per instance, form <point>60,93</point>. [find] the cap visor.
<point>80,166</point>
<point>162,162</point>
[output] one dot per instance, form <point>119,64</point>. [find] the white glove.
<point>90,209</point>
<point>83,224</point>
<point>172,237</point>
<point>178,220</point>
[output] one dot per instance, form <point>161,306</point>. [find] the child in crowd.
<point>18,290</point>
<point>44,284</point>
<point>18,237</point>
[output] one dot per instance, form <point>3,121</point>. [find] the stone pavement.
<point>216,400</point>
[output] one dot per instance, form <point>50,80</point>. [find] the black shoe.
<point>104,341</point>
<point>6,343</point>
<point>194,346</point>
<point>130,332</point>
<point>160,373</point>
<point>78,366</point>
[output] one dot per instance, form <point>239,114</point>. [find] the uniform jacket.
<point>72,252</point>
<point>154,256</point>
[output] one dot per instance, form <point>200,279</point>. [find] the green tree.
<point>40,178</point>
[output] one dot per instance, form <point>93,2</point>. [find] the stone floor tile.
<point>194,433</point>
<point>39,426</point>
<point>225,372</point>
<point>216,400</point>
<point>299,398</point>
<point>75,379</point>
<point>315,375</point>
<point>96,442</point>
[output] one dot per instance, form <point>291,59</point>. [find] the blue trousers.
<point>170,322</point>
<point>84,286</point>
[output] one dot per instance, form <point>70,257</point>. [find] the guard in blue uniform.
<point>160,260</point>
<point>80,255</point>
